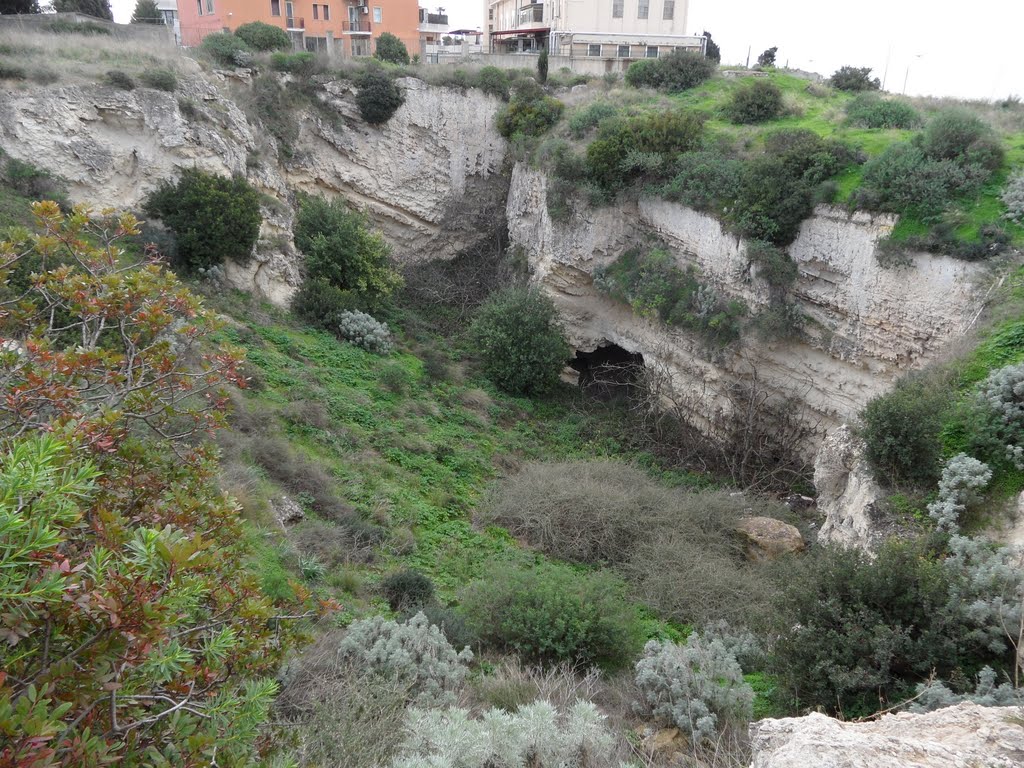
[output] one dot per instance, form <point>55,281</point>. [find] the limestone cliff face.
<point>414,175</point>
<point>866,324</point>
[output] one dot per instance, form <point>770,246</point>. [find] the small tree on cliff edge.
<point>542,67</point>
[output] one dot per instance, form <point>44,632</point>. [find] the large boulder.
<point>964,735</point>
<point>848,495</point>
<point>768,539</point>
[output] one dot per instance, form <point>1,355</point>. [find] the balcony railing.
<point>295,22</point>
<point>356,26</point>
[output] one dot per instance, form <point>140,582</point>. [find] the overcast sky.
<point>969,49</point>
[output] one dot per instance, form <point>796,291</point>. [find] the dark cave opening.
<point>608,372</point>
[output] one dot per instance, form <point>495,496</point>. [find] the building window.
<point>275,7</point>
<point>594,49</point>
<point>617,8</point>
<point>490,14</point>
<point>316,11</point>
<point>670,10</point>
<point>199,7</point>
<point>652,51</point>
<point>623,51</point>
<point>378,14</point>
<point>327,13</point>
<point>643,9</point>
<point>209,6</point>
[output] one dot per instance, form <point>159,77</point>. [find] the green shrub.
<point>774,265</point>
<point>391,49</point>
<point>494,81</point>
<point>522,347</point>
<point>68,27</point>
<point>779,188</point>
<point>9,71</point>
<point>645,73</point>
<point>542,66</point>
<point>904,180</point>
<point>33,182</point>
<point>551,613</point>
<point>1013,197</point>
<point>856,634</point>
<point>407,590</point>
<point>706,180</point>
<point>213,217</point>
<point>530,113</point>
<point>119,79</point>
<point>901,431</point>
<point>854,79</point>
<point>678,71</point>
<point>697,687</point>
<point>301,63</point>
<point>588,117</point>
<point>961,137</point>
<point>756,102</point>
<point>378,98</point>
<point>276,110</point>
<point>342,251</point>
<point>655,287</point>
<point>225,48</point>
<point>872,111</point>
<point>160,79</point>
<point>260,36</point>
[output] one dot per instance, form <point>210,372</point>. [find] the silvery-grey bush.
<point>536,735</point>
<point>962,479</point>
<point>1013,197</point>
<point>414,652</point>
<point>365,331</point>
<point>698,687</point>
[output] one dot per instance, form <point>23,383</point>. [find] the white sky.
<point>968,48</point>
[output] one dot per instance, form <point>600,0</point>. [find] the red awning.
<point>536,31</point>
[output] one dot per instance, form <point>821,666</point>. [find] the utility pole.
<point>748,57</point>
<point>885,75</point>
<point>906,74</point>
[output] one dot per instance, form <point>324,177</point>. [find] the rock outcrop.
<point>848,496</point>
<point>865,324</point>
<point>964,735</point>
<point>413,175</point>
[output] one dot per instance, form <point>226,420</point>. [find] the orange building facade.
<point>341,27</point>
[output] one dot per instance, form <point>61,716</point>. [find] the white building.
<point>606,29</point>
<point>169,10</point>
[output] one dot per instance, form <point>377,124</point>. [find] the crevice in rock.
<point>609,371</point>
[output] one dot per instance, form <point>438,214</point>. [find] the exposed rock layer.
<point>866,325</point>
<point>964,735</point>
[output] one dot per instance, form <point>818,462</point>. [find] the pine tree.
<point>146,12</point>
<point>712,51</point>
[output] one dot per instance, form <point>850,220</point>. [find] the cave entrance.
<point>608,372</point>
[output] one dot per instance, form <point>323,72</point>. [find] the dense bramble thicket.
<point>213,218</point>
<point>133,632</point>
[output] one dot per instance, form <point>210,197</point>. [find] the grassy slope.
<point>822,110</point>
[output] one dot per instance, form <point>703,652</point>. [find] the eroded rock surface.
<point>848,496</point>
<point>866,324</point>
<point>963,736</point>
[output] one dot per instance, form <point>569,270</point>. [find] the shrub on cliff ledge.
<point>214,217</point>
<point>378,97</point>
<point>391,49</point>
<point>521,343</point>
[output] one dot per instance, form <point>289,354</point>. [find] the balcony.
<point>355,27</point>
<point>295,23</point>
<point>531,14</point>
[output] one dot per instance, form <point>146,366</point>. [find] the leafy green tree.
<point>342,251</point>
<point>261,36</point>
<point>854,79</point>
<point>391,49</point>
<point>521,343</point>
<point>146,12</point>
<point>213,217</point>
<point>98,8</point>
